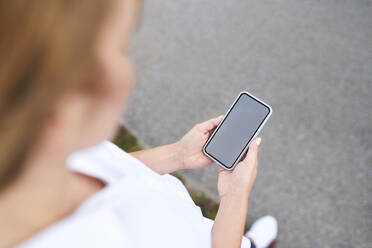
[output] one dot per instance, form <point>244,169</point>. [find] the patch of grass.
<point>128,142</point>
<point>208,206</point>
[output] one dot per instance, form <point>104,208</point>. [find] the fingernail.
<point>258,141</point>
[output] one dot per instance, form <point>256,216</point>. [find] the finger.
<point>217,120</point>
<point>215,123</point>
<point>209,125</point>
<point>252,155</point>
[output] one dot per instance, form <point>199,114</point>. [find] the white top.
<point>137,208</point>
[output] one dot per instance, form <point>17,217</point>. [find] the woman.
<point>63,82</point>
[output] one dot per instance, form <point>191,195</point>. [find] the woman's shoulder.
<point>107,162</point>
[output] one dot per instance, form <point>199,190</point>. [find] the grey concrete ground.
<point>312,61</point>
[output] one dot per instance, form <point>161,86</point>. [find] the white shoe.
<point>263,231</point>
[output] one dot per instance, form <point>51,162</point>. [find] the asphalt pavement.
<point>311,61</point>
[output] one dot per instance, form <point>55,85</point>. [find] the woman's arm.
<point>234,188</point>
<point>228,228</point>
<point>162,159</point>
<point>187,153</point>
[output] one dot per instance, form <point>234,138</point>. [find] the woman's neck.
<point>41,195</point>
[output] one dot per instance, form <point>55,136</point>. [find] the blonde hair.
<point>46,50</point>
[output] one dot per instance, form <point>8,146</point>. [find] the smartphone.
<point>241,124</point>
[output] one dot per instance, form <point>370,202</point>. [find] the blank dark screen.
<point>238,128</point>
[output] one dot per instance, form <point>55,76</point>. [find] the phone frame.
<point>244,150</point>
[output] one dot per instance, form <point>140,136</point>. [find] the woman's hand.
<point>190,147</point>
<point>240,180</point>
<point>187,153</point>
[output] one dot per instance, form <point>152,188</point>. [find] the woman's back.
<point>137,208</point>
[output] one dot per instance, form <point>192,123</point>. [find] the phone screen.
<point>237,129</point>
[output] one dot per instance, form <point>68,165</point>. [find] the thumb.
<point>209,125</point>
